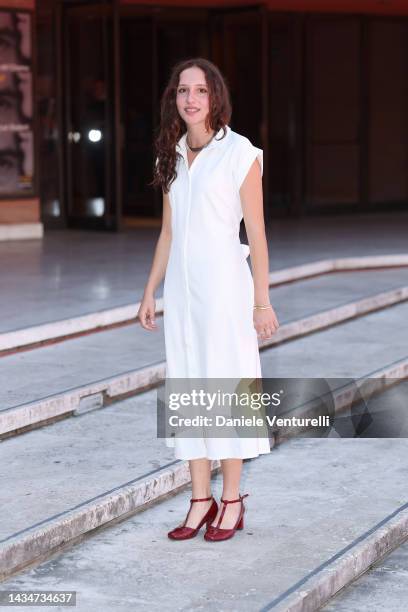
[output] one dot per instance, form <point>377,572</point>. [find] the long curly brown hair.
<point>172,126</point>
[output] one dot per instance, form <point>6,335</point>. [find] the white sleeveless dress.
<point>208,291</point>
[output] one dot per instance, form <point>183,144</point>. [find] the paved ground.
<point>75,272</point>
<point>384,588</point>
<point>119,443</point>
<point>309,499</point>
<point>93,357</point>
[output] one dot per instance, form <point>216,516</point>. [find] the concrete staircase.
<point>320,511</point>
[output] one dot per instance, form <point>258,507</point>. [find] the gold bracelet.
<point>263,306</point>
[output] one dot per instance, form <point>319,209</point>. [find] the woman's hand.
<point>265,322</point>
<point>146,312</point>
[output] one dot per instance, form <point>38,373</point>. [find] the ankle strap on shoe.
<point>194,499</point>
<point>231,501</point>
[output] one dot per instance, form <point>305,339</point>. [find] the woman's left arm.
<point>265,320</point>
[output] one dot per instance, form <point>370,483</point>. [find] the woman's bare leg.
<point>200,470</point>
<point>231,471</point>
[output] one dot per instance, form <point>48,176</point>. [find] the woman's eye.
<point>183,89</point>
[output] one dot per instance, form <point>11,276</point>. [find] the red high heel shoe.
<point>214,533</point>
<point>184,533</point>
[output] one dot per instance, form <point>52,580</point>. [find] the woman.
<point>214,309</point>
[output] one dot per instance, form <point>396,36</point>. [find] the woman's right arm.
<point>158,269</point>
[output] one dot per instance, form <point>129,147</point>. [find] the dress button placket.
<point>187,289</point>
<point>188,324</point>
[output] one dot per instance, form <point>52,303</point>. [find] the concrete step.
<point>383,588</point>
<point>92,371</point>
<point>319,512</point>
<point>78,272</point>
<point>30,336</point>
<point>54,499</point>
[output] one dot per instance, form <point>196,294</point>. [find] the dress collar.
<point>181,145</point>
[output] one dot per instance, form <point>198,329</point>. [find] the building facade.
<point>320,86</point>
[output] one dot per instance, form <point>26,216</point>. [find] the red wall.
<point>27,4</point>
<point>380,7</point>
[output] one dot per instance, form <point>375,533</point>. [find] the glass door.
<point>89,117</point>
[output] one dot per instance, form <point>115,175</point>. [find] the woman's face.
<point>192,96</point>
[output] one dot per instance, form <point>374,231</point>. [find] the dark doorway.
<point>116,66</point>
<point>89,134</point>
